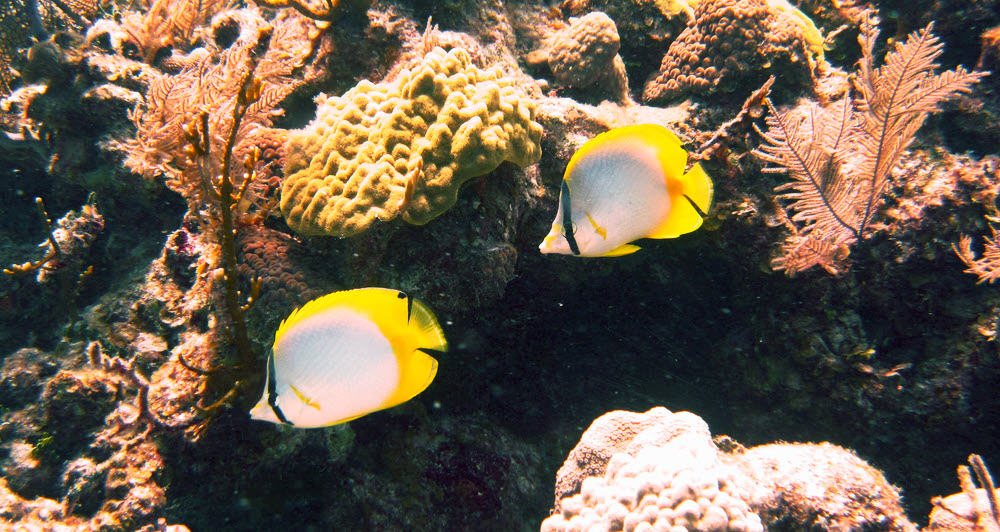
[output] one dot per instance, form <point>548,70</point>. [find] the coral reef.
<point>20,22</point>
<point>404,147</point>
<point>822,486</point>
<point>643,472</point>
<point>729,38</point>
<point>650,27</point>
<point>623,432</point>
<point>656,490</point>
<point>209,82</point>
<point>124,387</point>
<point>661,471</point>
<point>289,275</point>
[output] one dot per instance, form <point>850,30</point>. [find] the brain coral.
<point>405,146</point>
<point>730,36</point>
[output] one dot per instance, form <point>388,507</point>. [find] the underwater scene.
<point>499,265</point>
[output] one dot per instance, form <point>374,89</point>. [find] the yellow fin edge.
<point>415,376</point>
<point>624,249</point>
<point>683,218</point>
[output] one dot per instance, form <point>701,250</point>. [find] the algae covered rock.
<point>404,147</point>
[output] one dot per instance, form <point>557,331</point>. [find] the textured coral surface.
<point>665,473</point>
<point>439,124</point>
<point>581,52</point>
<point>728,39</point>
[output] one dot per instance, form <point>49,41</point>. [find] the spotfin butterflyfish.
<point>348,354</point>
<point>625,185</point>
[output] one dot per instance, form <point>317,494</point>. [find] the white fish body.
<point>348,354</point>
<point>624,185</point>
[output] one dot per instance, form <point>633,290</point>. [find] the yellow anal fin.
<point>683,217</point>
<point>416,376</point>
<point>304,399</point>
<point>624,249</point>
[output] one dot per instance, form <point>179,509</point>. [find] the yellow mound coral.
<point>404,147</point>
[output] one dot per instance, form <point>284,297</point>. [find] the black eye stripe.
<point>567,222</point>
<point>272,390</point>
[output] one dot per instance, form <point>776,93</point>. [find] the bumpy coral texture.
<point>663,488</point>
<point>75,232</point>
<point>728,36</point>
<point>435,126</point>
<point>623,432</point>
<point>661,471</point>
<point>583,51</point>
<point>820,487</point>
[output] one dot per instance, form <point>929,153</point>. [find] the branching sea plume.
<point>840,157</point>
<point>212,83</point>
<point>162,24</point>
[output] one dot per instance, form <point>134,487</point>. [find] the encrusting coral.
<point>288,278</point>
<point>404,147</point>
<point>730,37</point>
<point>661,471</point>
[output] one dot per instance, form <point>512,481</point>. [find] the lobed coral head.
<point>404,147</point>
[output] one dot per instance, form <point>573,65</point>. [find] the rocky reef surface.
<point>142,288</point>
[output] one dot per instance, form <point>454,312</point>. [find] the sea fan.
<point>840,157</point>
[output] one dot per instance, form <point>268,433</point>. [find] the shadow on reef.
<point>408,470</point>
<point>815,358</point>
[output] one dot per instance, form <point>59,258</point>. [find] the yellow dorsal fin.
<point>393,311</point>
<point>623,249</point>
<point>315,307</point>
<point>683,218</point>
<point>423,319</point>
<point>664,140</point>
